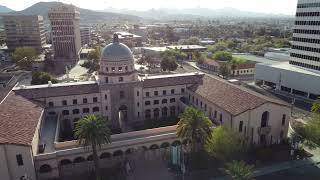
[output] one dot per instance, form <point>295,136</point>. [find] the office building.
<point>24,31</point>
<point>66,39</point>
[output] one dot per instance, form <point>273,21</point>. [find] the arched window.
<point>95,109</point>
<point>90,158</point>
<point>65,112</point>
<point>164,101</point>
<point>118,153</point>
<point>79,160</point>
<point>105,155</point>
<point>164,112</point>
<point>172,111</point>
<point>148,114</point>
<point>75,111</point>
<point>154,146</point>
<point>65,162</point>
<point>45,168</point>
<point>156,113</point>
<point>264,119</point>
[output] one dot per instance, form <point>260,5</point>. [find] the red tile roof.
<point>232,98</point>
<point>18,119</point>
<point>54,91</point>
<point>171,81</point>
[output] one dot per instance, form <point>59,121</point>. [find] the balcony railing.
<point>264,130</point>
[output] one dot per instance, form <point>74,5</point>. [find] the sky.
<point>263,6</point>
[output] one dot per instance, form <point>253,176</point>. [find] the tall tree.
<point>42,78</point>
<point>194,125</point>
<point>93,131</point>
<point>224,144</point>
<point>24,57</point>
<point>224,70</point>
<point>239,170</point>
<point>168,64</point>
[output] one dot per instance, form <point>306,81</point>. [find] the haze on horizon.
<point>287,7</point>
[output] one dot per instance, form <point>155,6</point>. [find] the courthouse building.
<point>33,117</point>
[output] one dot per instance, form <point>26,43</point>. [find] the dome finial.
<point>115,38</point>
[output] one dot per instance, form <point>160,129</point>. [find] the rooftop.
<point>19,119</point>
<point>171,80</point>
<point>61,89</point>
<point>293,68</point>
<point>254,58</point>
<point>186,47</point>
<point>232,98</point>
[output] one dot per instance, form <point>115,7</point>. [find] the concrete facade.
<point>65,31</point>
<point>24,31</point>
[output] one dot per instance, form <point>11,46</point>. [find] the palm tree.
<point>194,125</point>
<point>93,131</point>
<point>239,170</point>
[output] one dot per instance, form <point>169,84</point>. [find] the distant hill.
<point>166,13</point>
<point>86,16</point>
<point>4,9</point>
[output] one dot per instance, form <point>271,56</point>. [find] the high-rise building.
<point>299,77</point>
<point>85,33</point>
<point>66,40</point>
<point>24,31</point>
<point>306,35</point>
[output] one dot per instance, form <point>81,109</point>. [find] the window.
<point>105,96</point>
<point>120,79</point>
<point>64,103</point>
<point>85,100</point>
<point>172,91</point>
<point>164,92</point>
<point>106,108</point>
<point>172,100</point>
<point>138,93</point>
<point>201,104</point>
<point>155,93</point>
<point>74,101</point>
<point>172,111</point>
<point>50,104</point>
<point>138,114</point>
<point>95,99</point>
<point>107,69</point>
<point>138,104</point>
<point>182,90</point>
<point>205,107</point>
<point>19,160</point>
<point>122,94</point>
<point>156,102</point>
<point>264,119</point>
<point>65,112</point>
<point>283,120</point>
<point>75,111</point>
<point>126,68</point>
<point>164,101</point>
<point>240,126</point>
<point>113,69</point>
<point>215,114</point>
<point>85,110</point>
<point>156,113</point>
<point>147,103</point>
<point>147,114</point>
<point>221,117</point>
<point>197,102</point>
<point>106,80</point>
<point>147,94</point>
<point>95,109</point>
<point>119,68</point>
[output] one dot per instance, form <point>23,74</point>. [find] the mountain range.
<point>197,12</point>
<point>86,15</point>
<point>4,9</point>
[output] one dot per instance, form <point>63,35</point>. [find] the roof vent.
<point>22,86</point>
<point>49,84</point>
